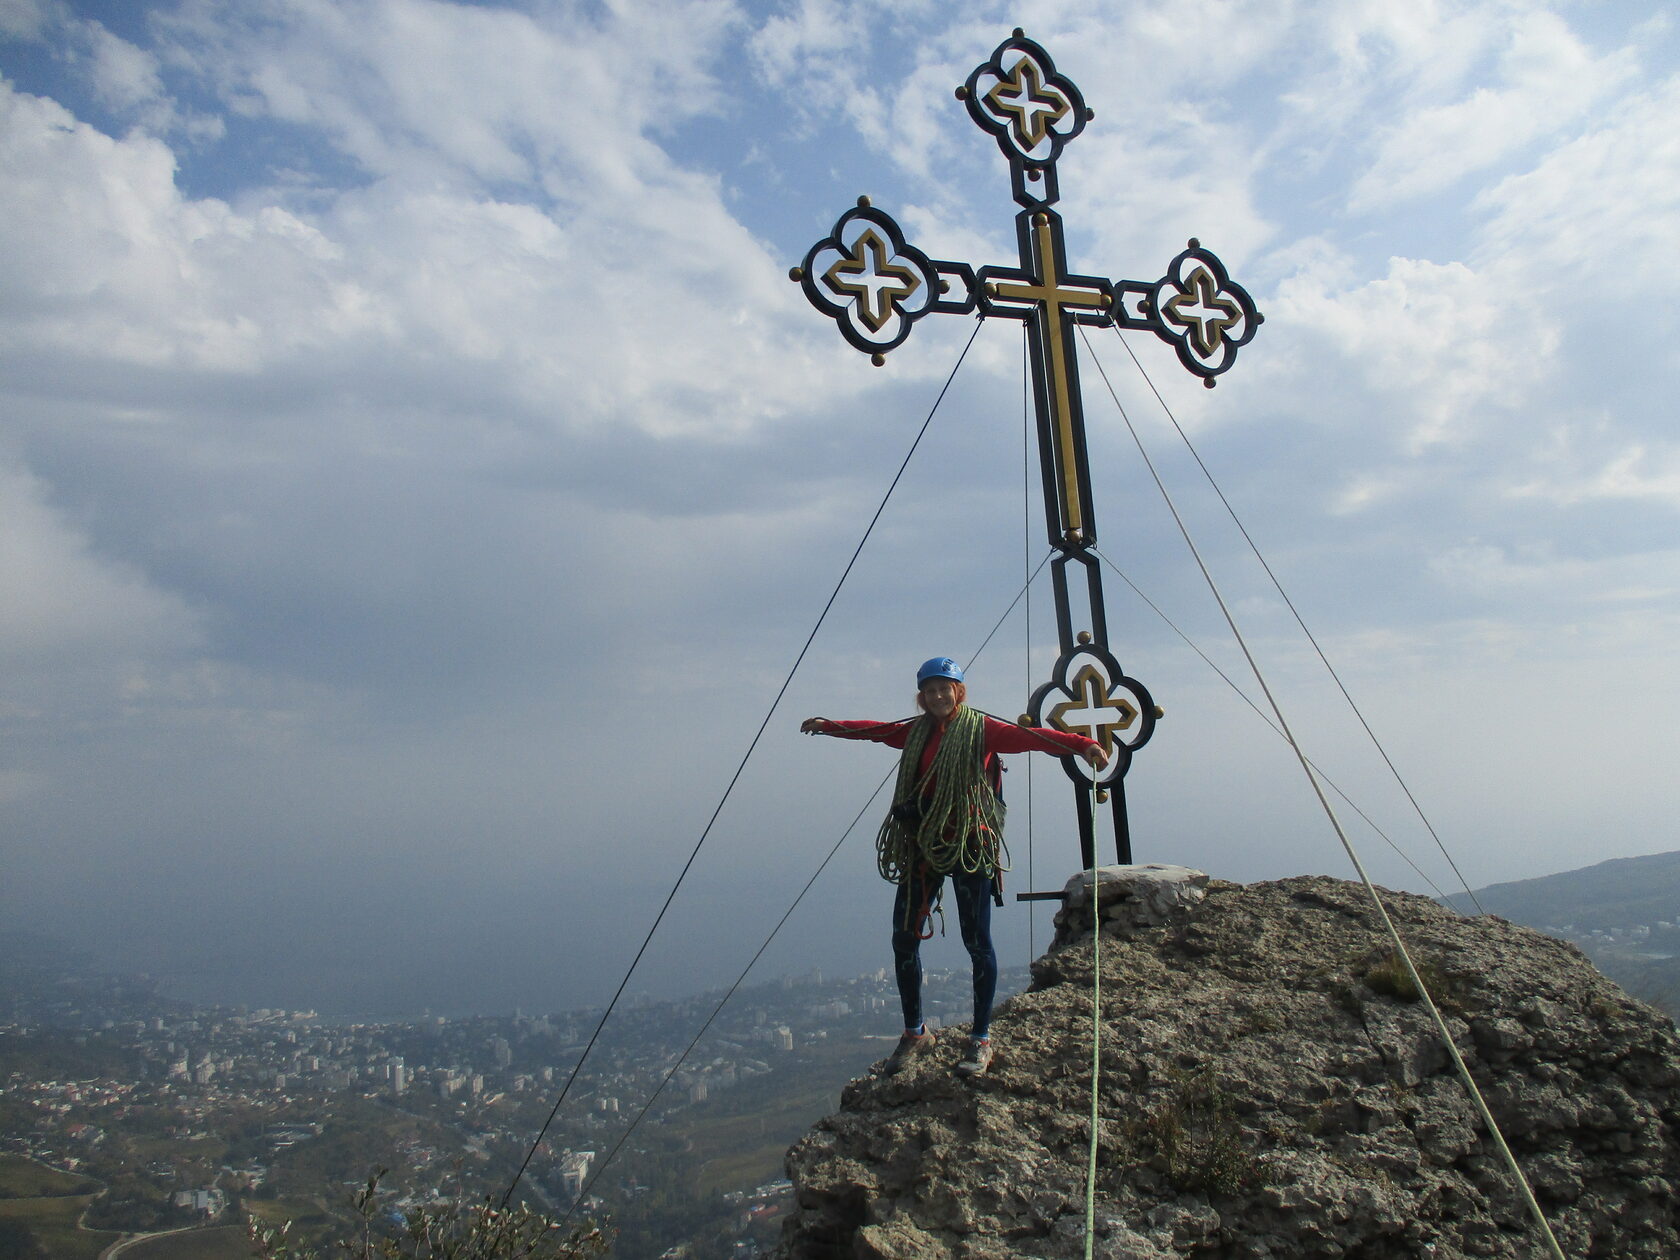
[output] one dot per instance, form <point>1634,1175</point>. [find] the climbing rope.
<point>1096,1051</point>
<point>1026,559</point>
<point>752,962</point>
<point>739,769</point>
<point>1261,714</point>
<point>1294,612</point>
<point>948,819</point>
<point>1400,949</point>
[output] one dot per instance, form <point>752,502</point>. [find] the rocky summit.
<point>1269,1084</point>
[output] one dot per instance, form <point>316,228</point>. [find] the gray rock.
<point>1267,1087</point>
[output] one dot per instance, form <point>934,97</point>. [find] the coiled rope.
<point>688,1050</point>
<point>948,819</point>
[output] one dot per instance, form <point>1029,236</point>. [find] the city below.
<point>172,1116</point>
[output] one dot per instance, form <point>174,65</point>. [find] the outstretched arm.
<point>890,733</point>
<point>1004,737</point>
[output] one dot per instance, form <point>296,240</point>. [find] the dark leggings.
<point>974,915</point>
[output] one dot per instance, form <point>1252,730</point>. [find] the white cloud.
<point>1635,472</point>
<point>470,419</point>
<point>1449,347</point>
<point>1574,584</point>
<point>64,601</point>
<point>1546,78</point>
<point>22,19</point>
<point>124,76</point>
<point>1603,208</point>
<point>449,91</point>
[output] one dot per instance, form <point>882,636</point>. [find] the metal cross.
<point>876,285</point>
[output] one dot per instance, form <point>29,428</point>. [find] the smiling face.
<point>941,696</point>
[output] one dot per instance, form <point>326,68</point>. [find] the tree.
<point>18,1242</point>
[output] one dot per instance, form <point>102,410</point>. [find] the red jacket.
<point>1001,737</point>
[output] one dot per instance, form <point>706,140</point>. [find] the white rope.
<point>1273,727</point>
<point>1026,553</point>
<point>1236,520</point>
<point>1347,845</point>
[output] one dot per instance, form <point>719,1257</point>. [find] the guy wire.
<point>1470,1086</point>
<point>747,756</point>
<point>1261,714</point>
<point>1293,611</point>
<point>780,923</point>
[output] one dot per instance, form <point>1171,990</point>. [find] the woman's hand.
<point>1097,755</point>
<point>814,726</point>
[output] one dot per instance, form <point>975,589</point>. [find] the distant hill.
<point>1625,913</point>
<point>1621,893</point>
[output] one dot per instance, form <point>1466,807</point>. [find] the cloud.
<point>1635,472</point>
<point>1449,347</point>
<point>1544,80</point>
<point>22,19</point>
<point>64,601</point>
<point>438,504</point>
<point>1606,201</point>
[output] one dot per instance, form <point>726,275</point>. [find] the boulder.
<point>1268,1084</point>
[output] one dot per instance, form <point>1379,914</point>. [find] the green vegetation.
<point>1389,977</point>
<point>1618,893</point>
<point>1196,1140</point>
<point>735,1140</point>
<point>54,1224</point>
<point>22,1178</point>
<point>446,1232</point>
<point>224,1242</point>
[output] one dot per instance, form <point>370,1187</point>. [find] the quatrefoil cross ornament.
<point>1090,695</point>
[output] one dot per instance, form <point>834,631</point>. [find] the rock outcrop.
<point>1269,1085</point>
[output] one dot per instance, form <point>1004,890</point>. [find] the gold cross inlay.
<point>1023,97</point>
<point>1053,295</point>
<point>1092,711</point>
<point>1204,312</point>
<point>877,283</point>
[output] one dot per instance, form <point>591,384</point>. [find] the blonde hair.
<point>961,689</point>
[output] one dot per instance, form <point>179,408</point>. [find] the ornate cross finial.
<point>875,285</point>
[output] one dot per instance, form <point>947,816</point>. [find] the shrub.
<point>1389,977</point>
<point>1196,1135</point>
<point>449,1231</point>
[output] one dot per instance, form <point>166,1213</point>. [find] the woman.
<point>947,819</point>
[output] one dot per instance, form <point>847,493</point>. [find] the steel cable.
<point>747,756</point>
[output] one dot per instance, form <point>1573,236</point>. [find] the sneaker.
<point>909,1046</point>
<point>978,1058</point>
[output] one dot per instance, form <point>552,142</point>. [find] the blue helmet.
<point>938,667</point>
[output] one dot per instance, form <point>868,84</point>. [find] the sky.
<point>418,473</point>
